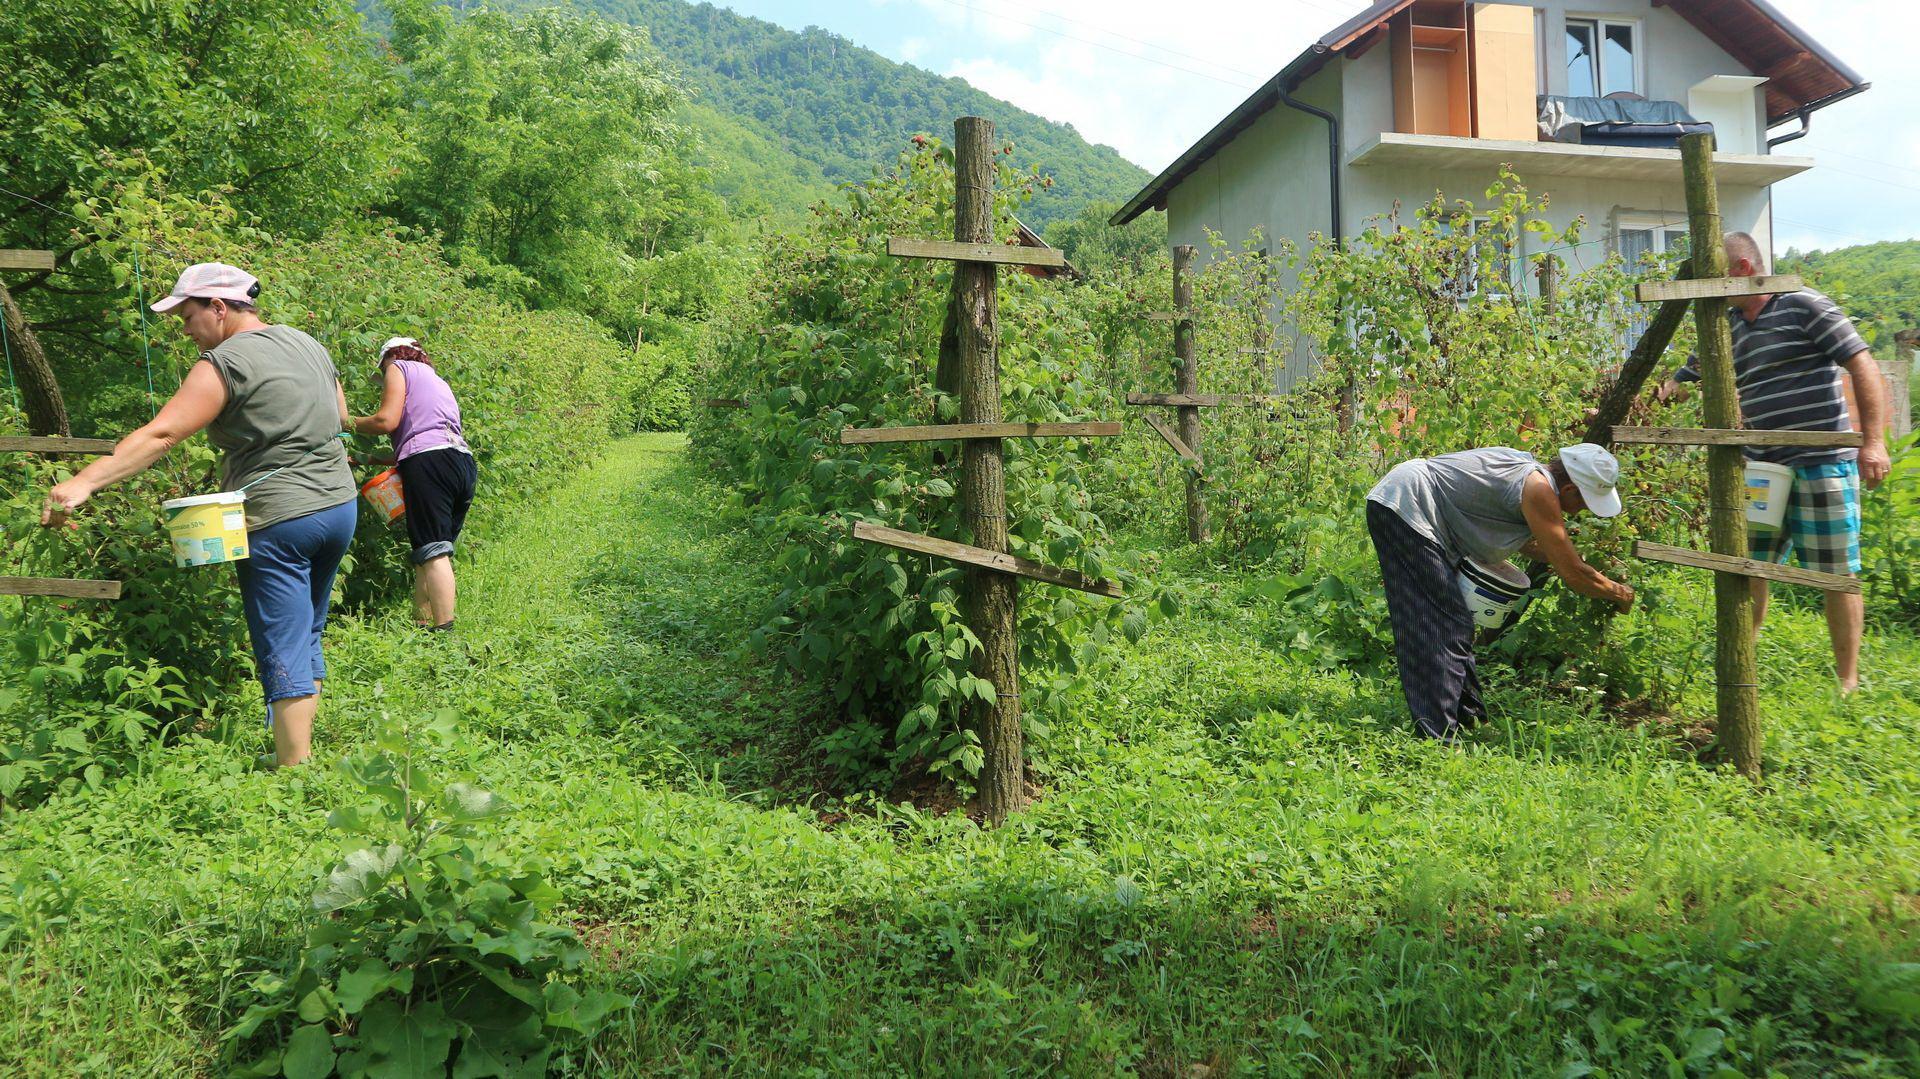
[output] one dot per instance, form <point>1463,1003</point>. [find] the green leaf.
<point>464,802</point>
<point>361,874</point>
<point>403,1045</point>
<point>309,1053</point>
<point>367,981</point>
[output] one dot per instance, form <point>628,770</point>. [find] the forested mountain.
<point>1878,283</point>
<point>836,110</point>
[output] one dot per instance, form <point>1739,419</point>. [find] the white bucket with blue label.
<point>1768,486</point>
<point>1492,590</point>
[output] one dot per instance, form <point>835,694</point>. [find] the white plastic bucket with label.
<point>1768,485</point>
<point>1492,590</point>
<point>207,529</point>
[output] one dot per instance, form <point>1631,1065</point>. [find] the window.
<point>1640,236</point>
<point>1637,237</point>
<point>1602,57</point>
<point>1488,247</point>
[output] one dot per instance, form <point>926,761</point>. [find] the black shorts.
<point>438,487</point>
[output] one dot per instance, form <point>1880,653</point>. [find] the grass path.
<point>1241,861</point>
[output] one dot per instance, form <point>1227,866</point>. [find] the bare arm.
<point>200,398</point>
<point>340,402</point>
<point>1542,509</point>
<point>1864,372</point>
<point>393,399</point>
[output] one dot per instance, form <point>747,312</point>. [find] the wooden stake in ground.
<point>992,598</point>
<point>39,391</point>
<point>1187,381</point>
<point>1734,667</point>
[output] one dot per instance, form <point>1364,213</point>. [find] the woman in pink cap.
<point>270,400</point>
<point>437,472</point>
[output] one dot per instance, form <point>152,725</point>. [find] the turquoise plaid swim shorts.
<point>1823,521</point>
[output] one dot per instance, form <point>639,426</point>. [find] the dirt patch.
<point>608,942</point>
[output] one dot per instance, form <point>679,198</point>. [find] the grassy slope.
<point>1239,861</point>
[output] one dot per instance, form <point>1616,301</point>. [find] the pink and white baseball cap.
<point>211,281</point>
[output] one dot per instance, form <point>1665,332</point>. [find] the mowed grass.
<point>1241,861</point>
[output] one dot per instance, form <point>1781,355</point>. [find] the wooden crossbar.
<point>1704,436</point>
<point>1159,426</point>
<point>1002,254</point>
<point>985,559</point>
<point>1745,567</point>
<point>1711,288</point>
<point>37,444</point>
<point>724,402</point>
<point>862,436</point>
<point>1162,316</point>
<point>1201,400</point>
<point>59,586</point>
<point>13,258</point>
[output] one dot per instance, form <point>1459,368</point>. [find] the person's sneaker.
<point>266,762</point>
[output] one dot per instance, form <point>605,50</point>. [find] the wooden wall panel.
<point>1505,72</point>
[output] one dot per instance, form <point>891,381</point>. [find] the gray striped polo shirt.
<point>1788,366</point>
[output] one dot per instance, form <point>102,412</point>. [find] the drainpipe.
<point>1806,125</point>
<point>1333,157</point>
<point>1350,393</point>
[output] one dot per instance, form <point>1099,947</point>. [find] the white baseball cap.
<point>396,342</point>
<point>1596,472</point>
<point>211,281</point>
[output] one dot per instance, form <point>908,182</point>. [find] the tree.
<point>544,152</point>
<point>1094,246</point>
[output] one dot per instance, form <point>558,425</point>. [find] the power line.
<point>1128,37</point>
<point>965,5</point>
<point>1868,160</point>
<point>1868,176</point>
<point>1825,229</point>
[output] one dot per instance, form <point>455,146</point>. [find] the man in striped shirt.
<point>1792,355</point>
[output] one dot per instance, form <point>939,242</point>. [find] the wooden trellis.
<point>13,259</point>
<point>1708,289</point>
<point>1188,401</point>
<point>992,575</point>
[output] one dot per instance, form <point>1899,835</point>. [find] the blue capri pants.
<point>285,583</point>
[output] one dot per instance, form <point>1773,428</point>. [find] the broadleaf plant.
<point>428,954</point>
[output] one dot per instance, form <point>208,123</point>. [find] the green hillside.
<point>1878,283</point>
<point>838,109</point>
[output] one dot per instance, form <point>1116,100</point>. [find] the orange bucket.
<point>383,493</point>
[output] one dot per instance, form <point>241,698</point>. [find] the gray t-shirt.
<point>283,412</point>
<point>1467,502</point>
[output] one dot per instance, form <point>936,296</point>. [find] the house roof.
<point>1802,75</point>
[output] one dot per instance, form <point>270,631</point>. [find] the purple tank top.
<point>430,419</point>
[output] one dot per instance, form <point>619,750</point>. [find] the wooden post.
<point>1549,285</point>
<point>39,391</point>
<point>1619,398</point>
<point>1738,690</point>
<point>992,598</point>
<point>1899,376</point>
<point>1187,381</point>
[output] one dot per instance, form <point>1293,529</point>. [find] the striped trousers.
<point>1432,629</point>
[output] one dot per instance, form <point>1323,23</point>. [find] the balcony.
<point>1530,159</point>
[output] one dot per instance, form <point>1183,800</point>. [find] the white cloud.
<point>1124,74</point>
<point>912,49</point>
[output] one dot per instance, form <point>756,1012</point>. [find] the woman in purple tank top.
<point>437,471</point>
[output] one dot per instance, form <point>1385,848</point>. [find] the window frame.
<point>1601,23</point>
<point>1663,226</point>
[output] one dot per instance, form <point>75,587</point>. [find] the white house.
<point>1411,97</point>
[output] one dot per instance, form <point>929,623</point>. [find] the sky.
<point>1149,79</point>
